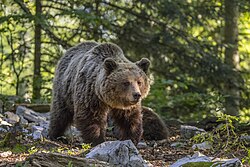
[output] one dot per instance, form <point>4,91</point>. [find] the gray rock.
<point>73,134</point>
<point>5,126</point>
<point>202,146</point>
<point>3,130</point>
<point>12,118</point>
<point>245,138</point>
<point>37,134</point>
<point>228,163</point>
<point>197,157</point>
<point>4,123</point>
<point>42,127</point>
<point>20,110</point>
<point>30,115</point>
<point>35,128</point>
<point>178,144</point>
<point>188,132</point>
<point>5,154</point>
<point>45,126</point>
<point>142,145</point>
<point>25,131</point>
<point>23,121</point>
<point>118,153</point>
<point>30,125</point>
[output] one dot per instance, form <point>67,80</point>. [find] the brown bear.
<point>92,80</point>
<point>153,126</point>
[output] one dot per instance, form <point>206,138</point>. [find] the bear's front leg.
<point>92,125</point>
<point>60,118</point>
<point>129,123</point>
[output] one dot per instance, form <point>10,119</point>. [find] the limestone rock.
<point>73,133</point>
<point>4,126</point>
<point>188,132</point>
<point>30,115</point>
<point>199,159</point>
<point>23,121</point>
<point>12,118</point>
<point>142,145</point>
<point>228,163</point>
<point>5,154</point>
<point>117,153</point>
<point>37,134</point>
<point>245,138</point>
<point>178,144</point>
<point>202,146</point>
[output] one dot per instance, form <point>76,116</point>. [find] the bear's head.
<point>125,84</point>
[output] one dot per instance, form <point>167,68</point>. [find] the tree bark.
<point>60,160</point>
<point>231,56</point>
<point>37,78</point>
<point>42,108</point>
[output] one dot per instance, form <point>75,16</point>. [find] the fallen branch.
<point>60,160</point>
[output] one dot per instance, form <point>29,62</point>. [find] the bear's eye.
<point>126,83</point>
<point>139,83</point>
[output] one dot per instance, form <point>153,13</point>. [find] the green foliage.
<point>183,39</point>
<point>85,146</point>
<point>70,164</point>
<point>20,164</point>
<point>198,164</point>
<point>177,100</point>
<point>5,141</point>
<point>19,148</point>
<point>223,138</point>
<point>247,158</point>
<point>33,150</point>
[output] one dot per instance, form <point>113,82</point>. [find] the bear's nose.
<point>136,95</point>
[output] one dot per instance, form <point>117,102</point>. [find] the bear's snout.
<point>136,96</point>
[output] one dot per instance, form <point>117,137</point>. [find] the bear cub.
<point>93,80</point>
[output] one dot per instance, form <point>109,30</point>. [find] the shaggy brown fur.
<point>153,126</point>
<point>92,80</point>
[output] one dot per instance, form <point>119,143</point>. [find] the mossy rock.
<point>198,164</point>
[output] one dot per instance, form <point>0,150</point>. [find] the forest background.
<point>199,49</point>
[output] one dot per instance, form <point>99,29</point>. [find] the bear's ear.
<point>110,65</point>
<point>143,64</point>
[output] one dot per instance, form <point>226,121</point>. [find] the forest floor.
<point>158,153</point>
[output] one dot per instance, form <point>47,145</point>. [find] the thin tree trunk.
<point>231,55</point>
<point>37,78</point>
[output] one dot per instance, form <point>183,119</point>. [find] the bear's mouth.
<point>124,104</point>
<point>133,102</point>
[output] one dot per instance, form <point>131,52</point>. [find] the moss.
<point>19,148</point>
<point>198,164</point>
<point>5,141</point>
<point>5,145</point>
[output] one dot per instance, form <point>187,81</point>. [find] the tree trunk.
<point>37,78</point>
<point>231,55</point>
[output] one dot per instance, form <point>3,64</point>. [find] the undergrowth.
<point>224,139</point>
